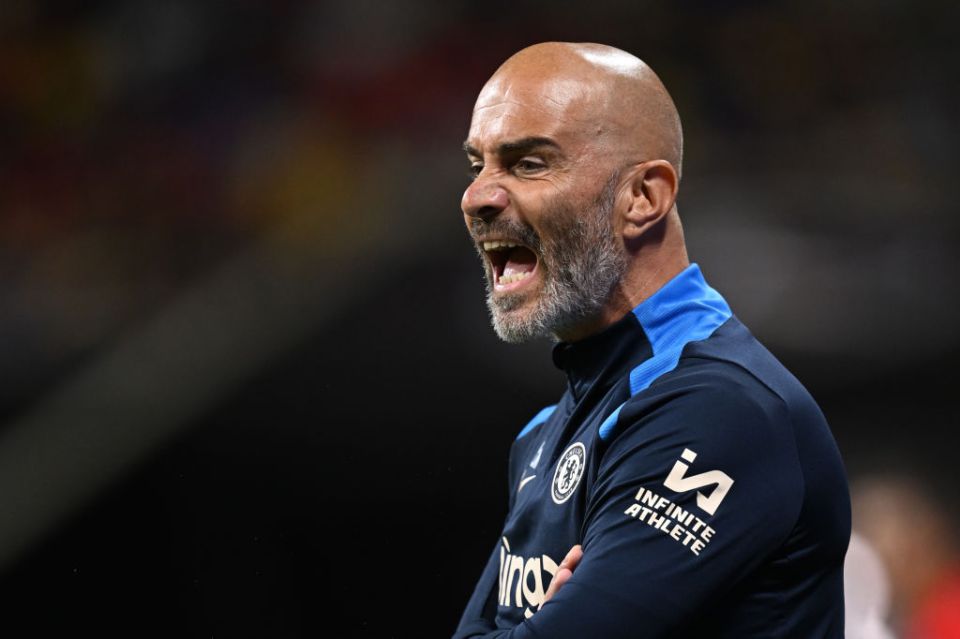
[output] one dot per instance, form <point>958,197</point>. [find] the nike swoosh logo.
<point>523,482</point>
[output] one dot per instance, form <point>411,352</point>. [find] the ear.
<point>653,191</point>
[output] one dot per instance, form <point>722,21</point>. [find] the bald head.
<point>575,153</point>
<point>613,97</point>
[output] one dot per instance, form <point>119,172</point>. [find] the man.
<point>688,482</point>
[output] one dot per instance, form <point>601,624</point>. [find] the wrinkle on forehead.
<point>560,92</point>
<point>554,106</point>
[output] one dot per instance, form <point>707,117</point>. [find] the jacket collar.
<point>602,358</point>
<point>683,309</point>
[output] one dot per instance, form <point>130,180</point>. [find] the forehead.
<point>513,108</point>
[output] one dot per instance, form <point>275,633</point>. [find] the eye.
<point>474,170</point>
<point>529,165</point>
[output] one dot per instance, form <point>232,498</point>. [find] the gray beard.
<point>580,262</point>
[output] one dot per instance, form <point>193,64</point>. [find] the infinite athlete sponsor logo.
<point>568,473</point>
<point>524,582</point>
<point>682,525</point>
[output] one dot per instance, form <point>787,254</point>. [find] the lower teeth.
<point>515,277</point>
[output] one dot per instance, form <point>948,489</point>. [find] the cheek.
<point>559,221</point>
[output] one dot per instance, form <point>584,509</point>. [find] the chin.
<point>513,327</point>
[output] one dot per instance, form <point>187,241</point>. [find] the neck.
<point>656,258</point>
<point>636,286</point>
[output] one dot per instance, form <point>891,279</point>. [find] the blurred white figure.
<point>912,530</point>
<point>866,592</point>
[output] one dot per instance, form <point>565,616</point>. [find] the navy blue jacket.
<point>699,476</point>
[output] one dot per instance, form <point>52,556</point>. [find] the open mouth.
<point>512,263</point>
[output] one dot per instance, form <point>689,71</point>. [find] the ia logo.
<point>679,482</point>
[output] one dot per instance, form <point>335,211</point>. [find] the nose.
<point>484,198</point>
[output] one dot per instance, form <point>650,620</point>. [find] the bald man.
<point>685,484</point>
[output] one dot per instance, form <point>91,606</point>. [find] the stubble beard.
<point>580,262</point>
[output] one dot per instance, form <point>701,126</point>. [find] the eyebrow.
<point>512,147</point>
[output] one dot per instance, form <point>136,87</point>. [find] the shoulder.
<point>734,362</point>
<point>705,398</point>
<point>715,411</point>
<point>736,353</point>
<point>730,378</point>
<point>731,405</point>
<point>730,393</point>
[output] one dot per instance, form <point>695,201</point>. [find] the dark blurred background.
<point>249,388</point>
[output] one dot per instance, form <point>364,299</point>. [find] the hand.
<point>564,572</point>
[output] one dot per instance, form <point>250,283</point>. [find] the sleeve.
<point>478,617</point>
<point>695,489</point>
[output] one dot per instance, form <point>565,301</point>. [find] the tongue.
<point>520,260</point>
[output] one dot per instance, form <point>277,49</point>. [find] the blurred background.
<point>249,387</point>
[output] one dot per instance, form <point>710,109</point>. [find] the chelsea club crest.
<point>568,473</point>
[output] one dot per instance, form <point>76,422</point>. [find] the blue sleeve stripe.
<point>538,419</point>
<point>685,310</point>
<point>609,423</point>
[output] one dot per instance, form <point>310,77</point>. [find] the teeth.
<point>497,244</point>
<point>515,277</point>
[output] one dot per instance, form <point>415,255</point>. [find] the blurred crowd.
<point>146,141</point>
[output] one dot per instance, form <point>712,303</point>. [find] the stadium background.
<point>249,386</point>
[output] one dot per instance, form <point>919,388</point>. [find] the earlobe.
<point>653,191</point>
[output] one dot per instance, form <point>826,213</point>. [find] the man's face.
<point>545,191</point>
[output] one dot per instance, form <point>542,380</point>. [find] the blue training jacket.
<point>699,476</point>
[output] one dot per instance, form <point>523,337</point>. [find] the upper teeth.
<point>489,246</point>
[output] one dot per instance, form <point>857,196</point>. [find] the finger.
<point>573,557</point>
<point>564,571</point>
<point>562,576</point>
